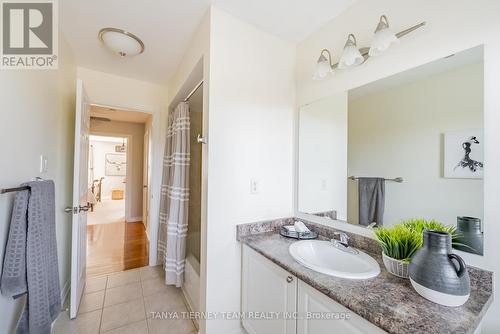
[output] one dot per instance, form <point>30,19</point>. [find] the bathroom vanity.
<point>267,287</point>
<point>298,300</point>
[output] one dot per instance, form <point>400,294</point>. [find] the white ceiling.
<point>292,20</point>
<point>167,26</point>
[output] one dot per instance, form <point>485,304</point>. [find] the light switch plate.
<point>254,187</point>
<point>43,164</point>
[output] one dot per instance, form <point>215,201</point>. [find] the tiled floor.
<point>122,303</point>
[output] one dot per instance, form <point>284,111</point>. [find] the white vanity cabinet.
<point>266,287</point>
<point>311,301</point>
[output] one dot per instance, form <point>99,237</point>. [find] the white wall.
<point>130,94</point>
<point>248,107</point>
<point>114,90</point>
<point>251,110</point>
<point>398,132</point>
<point>452,26</point>
<point>195,66</point>
<point>37,117</point>
<point>322,156</point>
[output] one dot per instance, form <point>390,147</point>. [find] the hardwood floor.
<point>116,247</point>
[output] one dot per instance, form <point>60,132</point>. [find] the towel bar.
<point>10,190</point>
<point>396,179</point>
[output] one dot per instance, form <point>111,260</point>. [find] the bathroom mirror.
<point>404,147</point>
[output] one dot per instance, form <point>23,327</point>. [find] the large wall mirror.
<point>404,147</point>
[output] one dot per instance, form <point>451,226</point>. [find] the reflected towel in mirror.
<point>371,200</point>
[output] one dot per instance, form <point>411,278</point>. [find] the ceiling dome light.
<point>121,42</point>
<point>350,56</point>
<point>323,65</point>
<point>383,38</point>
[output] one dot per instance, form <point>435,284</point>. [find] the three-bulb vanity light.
<point>352,56</point>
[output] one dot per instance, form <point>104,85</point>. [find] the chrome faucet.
<point>343,242</point>
<point>343,238</point>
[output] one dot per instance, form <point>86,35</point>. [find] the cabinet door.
<point>267,289</point>
<point>313,302</point>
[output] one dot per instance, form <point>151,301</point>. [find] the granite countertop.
<point>387,301</point>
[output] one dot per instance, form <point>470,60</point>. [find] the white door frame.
<point>146,172</point>
<point>156,149</point>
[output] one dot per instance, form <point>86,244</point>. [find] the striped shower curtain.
<point>175,196</point>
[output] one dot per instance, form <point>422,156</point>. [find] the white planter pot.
<point>396,267</point>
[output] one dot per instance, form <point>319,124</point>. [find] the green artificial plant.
<point>402,240</point>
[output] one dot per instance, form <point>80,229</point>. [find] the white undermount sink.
<point>324,257</point>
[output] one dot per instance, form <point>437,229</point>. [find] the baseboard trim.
<point>133,219</point>
<point>189,306</point>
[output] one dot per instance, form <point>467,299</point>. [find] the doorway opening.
<point>118,181</point>
<point>107,179</point>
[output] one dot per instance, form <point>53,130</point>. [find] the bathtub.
<point>191,286</point>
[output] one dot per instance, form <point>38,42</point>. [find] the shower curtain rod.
<point>193,91</point>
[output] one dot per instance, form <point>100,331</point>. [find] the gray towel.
<point>30,261</point>
<point>371,200</point>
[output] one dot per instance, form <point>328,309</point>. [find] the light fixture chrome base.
<point>123,32</point>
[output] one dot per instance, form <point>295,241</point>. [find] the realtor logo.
<point>29,34</point>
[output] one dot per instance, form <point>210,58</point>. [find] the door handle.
<point>76,210</point>
<point>69,209</point>
<point>289,279</point>
<point>83,208</point>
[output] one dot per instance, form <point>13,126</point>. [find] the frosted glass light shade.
<point>121,42</point>
<point>323,68</point>
<point>350,56</point>
<point>382,40</point>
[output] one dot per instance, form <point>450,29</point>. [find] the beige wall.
<point>136,158</point>
<point>452,26</point>
<point>37,117</point>
<point>398,132</point>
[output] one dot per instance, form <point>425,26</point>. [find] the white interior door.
<point>145,182</point>
<point>80,203</point>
